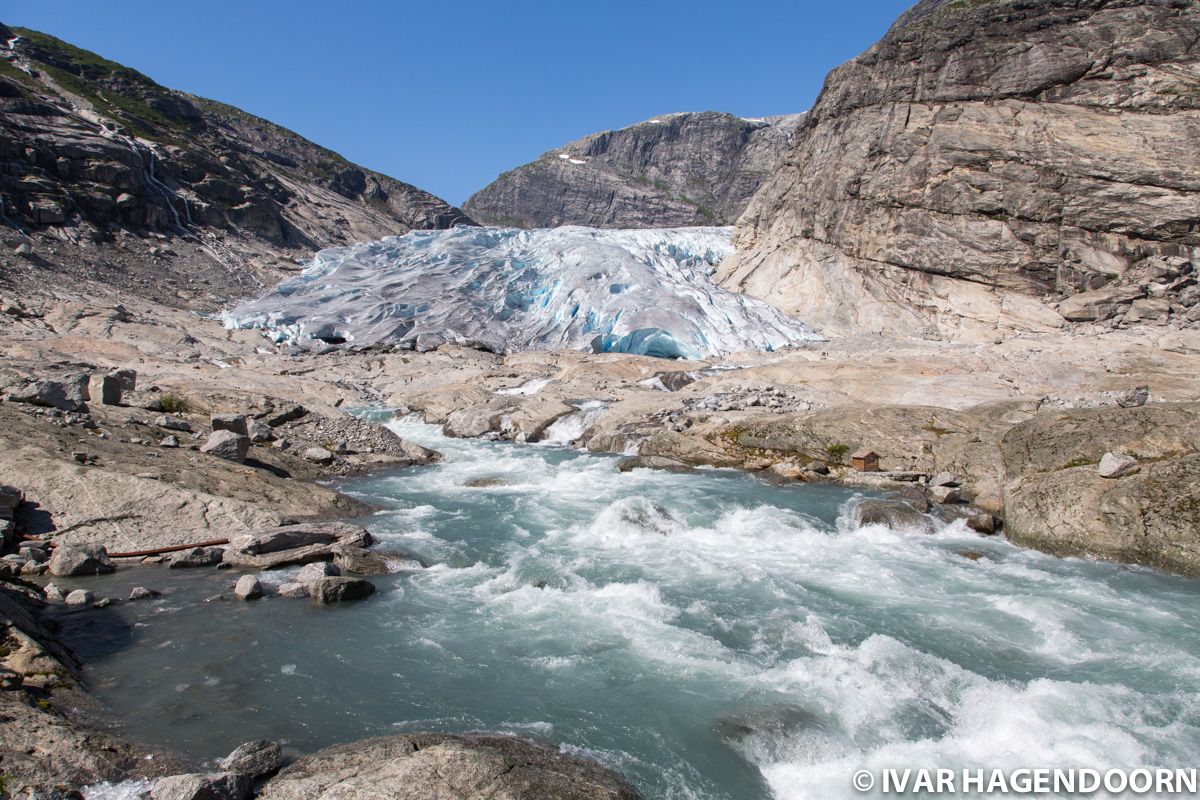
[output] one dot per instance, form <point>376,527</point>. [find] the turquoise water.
<point>709,635</point>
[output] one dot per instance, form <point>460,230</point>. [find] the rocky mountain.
<point>108,178</point>
<point>992,165</point>
<point>670,171</point>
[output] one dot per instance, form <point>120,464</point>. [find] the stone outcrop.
<point>986,162</point>
<point>418,766</point>
<point>167,195</point>
<point>1057,500</point>
<point>671,171</point>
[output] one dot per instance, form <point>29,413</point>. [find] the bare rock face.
<point>671,171</point>
<point>1059,500</point>
<point>418,766</point>
<point>174,197</point>
<point>984,157</point>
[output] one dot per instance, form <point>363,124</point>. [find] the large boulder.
<point>67,394</point>
<point>256,759</point>
<point>80,559</point>
<point>272,548</point>
<point>203,786</point>
<point>334,589</point>
<point>894,514</point>
<point>420,766</point>
<point>228,445</point>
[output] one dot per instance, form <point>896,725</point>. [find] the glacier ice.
<point>505,289</point>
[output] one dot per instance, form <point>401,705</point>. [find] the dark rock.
<point>256,759</point>
<point>228,445</point>
<point>196,557</point>
<point>336,589</point>
<point>894,514</point>
<point>80,559</point>
<point>234,423</point>
<point>984,523</point>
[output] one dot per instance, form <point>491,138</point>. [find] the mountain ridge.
<point>96,156</point>
<point>675,170</point>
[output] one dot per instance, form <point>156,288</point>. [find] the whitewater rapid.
<point>709,635</point>
<point>636,291</point>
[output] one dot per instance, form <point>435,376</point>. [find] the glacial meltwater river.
<point>708,635</point>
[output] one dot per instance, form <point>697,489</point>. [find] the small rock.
<point>105,602</point>
<point>336,590</point>
<point>248,588</point>
<point>203,786</point>
<point>315,571</point>
<point>293,590</point>
<point>944,479</point>
<point>153,560</point>
<point>80,559</point>
<point>1134,398</point>
<point>173,424</point>
<point>142,593</point>
<point>79,597</point>
<point>29,568</point>
<point>214,598</point>
<point>818,467</point>
<point>943,494</point>
<point>234,423</point>
<point>256,759</point>
<point>970,555</point>
<point>197,557</point>
<point>125,378</point>
<point>318,455</point>
<point>983,522</point>
<point>259,431</point>
<point>228,445</point>
<point>53,591</point>
<point>169,441</point>
<point>1117,465</point>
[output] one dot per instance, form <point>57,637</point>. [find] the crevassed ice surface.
<point>637,291</point>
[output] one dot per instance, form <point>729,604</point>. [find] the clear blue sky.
<point>447,95</point>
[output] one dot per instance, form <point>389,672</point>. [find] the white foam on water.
<point>122,790</point>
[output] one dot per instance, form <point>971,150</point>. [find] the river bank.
<point>1020,426</point>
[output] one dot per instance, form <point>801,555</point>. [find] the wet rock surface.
<point>424,765</point>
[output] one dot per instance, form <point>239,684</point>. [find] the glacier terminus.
<point>647,292</point>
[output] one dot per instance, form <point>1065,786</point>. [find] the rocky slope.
<point>110,180</point>
<point>990,165</point>
<point>670,171</point>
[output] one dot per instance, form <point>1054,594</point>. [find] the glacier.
<point>648,292</point>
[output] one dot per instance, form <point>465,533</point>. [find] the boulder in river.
<point>142,593</point>
<point>248,587</point>
<point>80,559</point>
<point>79,597</point>
<point>333,589</point>
<point>418,766</point>
<point>317,570</point>
<point>361,561</point>
<point>196,557</point>
<point>894,514</point>
<point>256,759</point>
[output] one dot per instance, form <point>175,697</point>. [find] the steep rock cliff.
<point>107,177</point>
<point>989,165</point>
<point>671,171</point>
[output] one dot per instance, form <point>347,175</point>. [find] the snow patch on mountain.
<point>505,289</point>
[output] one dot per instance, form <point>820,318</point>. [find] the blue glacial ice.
<point>632,291</point>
